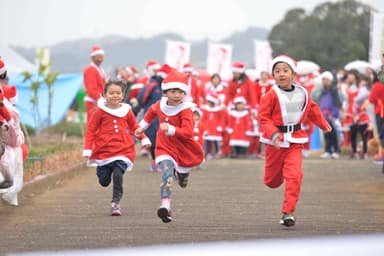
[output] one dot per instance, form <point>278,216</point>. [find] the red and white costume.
<point>109,135</point>
<point>285,163</point>
<point>214,118</point>
<point>239,124</point>
<point>178,144</point>
<point>94,80</point>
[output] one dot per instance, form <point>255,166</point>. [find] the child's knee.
<point>104,182</point>
<point>273,183</point>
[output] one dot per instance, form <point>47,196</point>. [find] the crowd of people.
<point>185,119</point>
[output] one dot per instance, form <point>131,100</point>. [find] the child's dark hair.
<point>117,82</point>
<point>165,91</point>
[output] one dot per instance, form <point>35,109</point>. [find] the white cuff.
<point>145,142</point>
<point>171,130</point>
<point>87,152</point>
<point>143,124</point>
<point>10,122</point>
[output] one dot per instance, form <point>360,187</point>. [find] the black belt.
<point>289,128</point>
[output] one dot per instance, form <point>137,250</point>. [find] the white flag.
<point>219,59</point>
<point>263,55</point>
<point>177,54</point>
<point>376,46</point>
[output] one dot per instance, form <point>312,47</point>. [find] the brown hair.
<point>117,82</point>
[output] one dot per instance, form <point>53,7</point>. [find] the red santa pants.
<point>285,164</point>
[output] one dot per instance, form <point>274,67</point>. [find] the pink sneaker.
<point>115,209</point>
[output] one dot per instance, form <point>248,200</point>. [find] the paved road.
<point>225,201</point>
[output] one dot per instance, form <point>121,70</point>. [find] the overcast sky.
<point>40,23</point>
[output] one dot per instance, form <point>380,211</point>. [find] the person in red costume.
<point>94,80</point>
<point>108,140</point>
<point>281,113</point>
<point>176,150</point>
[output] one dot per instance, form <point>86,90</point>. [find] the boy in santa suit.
<point>94,80</point>
<point>108,140</point>
<point>239,120</point>
<point>281,112</point>
<point>176,151</point>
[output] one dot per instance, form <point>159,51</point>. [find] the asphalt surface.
<point>226,200</point>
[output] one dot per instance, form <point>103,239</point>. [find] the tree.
<point>332,35</point>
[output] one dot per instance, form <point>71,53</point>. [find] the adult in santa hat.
<point>151,69</point>
<point>176,150</point>
<point>241,85</point>
<point>280,116</point>
<point>94,80</point>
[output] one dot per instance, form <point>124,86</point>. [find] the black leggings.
<point>362,130</point>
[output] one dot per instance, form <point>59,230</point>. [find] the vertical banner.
<point>219,59</point>
<point>263,55</point>
<point>376,37</point>
<point>177,54</point>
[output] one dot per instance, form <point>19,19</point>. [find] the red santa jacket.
<point>94,80</point>
<point>199,131</point>
<point>273,113</point>
<point>109,135</point>
<point>214,118</point>
<point>239,124</point>
<point>244,88</point>
<point>261,90</point>
<point>177,144</point>
<point>376,97</point>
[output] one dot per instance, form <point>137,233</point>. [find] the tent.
<point>65,90</point>
<point>15,62</point>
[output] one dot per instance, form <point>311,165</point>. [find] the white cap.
<point>328,75</point>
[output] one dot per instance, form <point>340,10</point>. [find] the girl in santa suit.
<point>176,150</point>
<point>280,115</point>
<point>239,124</point>
<point>108,140</point>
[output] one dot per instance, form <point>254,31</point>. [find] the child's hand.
<point>139,131</point>
<point>164,127</point>
<point>327,129</point>
<point>276,141</point>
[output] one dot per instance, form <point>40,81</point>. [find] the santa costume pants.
<point>285,164</point>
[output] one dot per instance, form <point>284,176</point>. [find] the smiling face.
<point>283,75</point>
<point>114,95</point>
<point>175,96</point>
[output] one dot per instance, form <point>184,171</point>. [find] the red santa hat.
<point>212,97</point>
<point>176,80</point>
<point>286,59</point>
<point>187,68</point>
<point>96,50</point>
<point>152,65</point>
<point>197,110</point>
<point>239,99</point>
<point>9,93</point>
<point>3,67</point>
<point>164,70</point>
<point>238,67</point>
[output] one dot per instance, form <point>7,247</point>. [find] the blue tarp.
<point>64,92</point>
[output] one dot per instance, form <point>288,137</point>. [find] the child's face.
<point>239,106</point>
<point>283,75</point>
<point>196,116</point>
<point>175,96</point>
<point>114,95</point>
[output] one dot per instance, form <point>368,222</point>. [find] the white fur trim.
<point>175,85</point>
<point>87,152</point>
<point>153,67</point>
<point>89,99</point>
<point>212,99</point>
<point>213,138</point>
<point>3,69</point>
<point>178,168</point>
<point>143,124</point>
<point>229,130</point>
<point>187,69</point>
<point>119,112</point>
<point>137,86</point>
<point>285,59</point>
<point>13,100</point>
<point>243,143</point>
<point>239,70</point>
<point>101,162</point>
<point>212,109</point>
<point>236,113</point>
<point>174,110</point>
<point>146,141</point>
<point>171,130</point>
<point>10,122</point>
<point>100,51</point>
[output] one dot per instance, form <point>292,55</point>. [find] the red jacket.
<point>239,126</point>
<point>243,88</point>
<point>178,144</point>
<point>94,80</point>
<point>273,113</point>
<point>376,97</point>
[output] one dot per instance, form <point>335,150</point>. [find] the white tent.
<point>15,62</point>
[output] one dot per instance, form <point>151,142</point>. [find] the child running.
<point>108,140</point>
<point>281,113</point>
<point>176,151</point>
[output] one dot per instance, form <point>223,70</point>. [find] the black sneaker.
<point>183,179</point>
<point>6,184</point>
<point>287,220</point>
<point>164,214</point>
